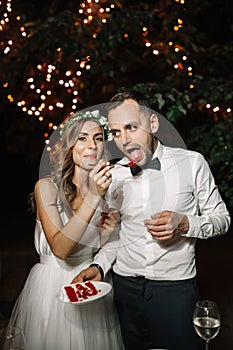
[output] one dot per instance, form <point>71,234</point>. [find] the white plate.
<point>103,288</point>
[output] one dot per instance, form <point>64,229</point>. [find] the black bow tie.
<point>153,164</point>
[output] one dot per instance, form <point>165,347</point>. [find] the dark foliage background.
<point>119,58</point>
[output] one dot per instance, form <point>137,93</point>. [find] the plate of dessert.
<point>85,292</point>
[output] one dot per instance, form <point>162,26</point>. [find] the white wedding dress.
<point>50,324</point>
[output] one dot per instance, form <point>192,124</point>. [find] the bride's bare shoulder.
<point>45,184</point>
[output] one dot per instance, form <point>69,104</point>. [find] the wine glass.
<point>12,338</point>
<point>206,320</point>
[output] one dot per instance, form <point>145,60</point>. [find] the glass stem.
<point>206,345</point>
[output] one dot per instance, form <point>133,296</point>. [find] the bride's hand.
<point>100,178</point>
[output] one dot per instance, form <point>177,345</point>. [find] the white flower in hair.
<point>95,113</point>
<point>103,120</point>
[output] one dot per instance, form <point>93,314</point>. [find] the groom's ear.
<point>154,123</point>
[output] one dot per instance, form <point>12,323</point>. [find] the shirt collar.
<point>159,150</point>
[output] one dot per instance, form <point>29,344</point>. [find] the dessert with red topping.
<point>80,291</point>
<point>132,162</point>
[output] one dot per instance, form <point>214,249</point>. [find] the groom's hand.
<point>90,273</point>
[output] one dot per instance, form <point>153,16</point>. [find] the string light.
<point>5,18</point>
<point>40,86</point>
<point>51,74</point>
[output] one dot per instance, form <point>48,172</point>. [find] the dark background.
<point>119,62</point>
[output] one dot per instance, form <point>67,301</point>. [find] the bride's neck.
<point>80,179</point>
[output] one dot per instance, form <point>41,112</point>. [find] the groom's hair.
<point>137,96</point>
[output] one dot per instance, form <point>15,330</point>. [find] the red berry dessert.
<point>80,291</point>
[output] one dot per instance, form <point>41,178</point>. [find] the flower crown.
<point>93,115</point>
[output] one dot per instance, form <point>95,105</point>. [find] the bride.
<point>68,232</point>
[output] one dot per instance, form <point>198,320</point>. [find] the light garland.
<point>49,79</point>
<point>5,18</point>
<point>42,84</point>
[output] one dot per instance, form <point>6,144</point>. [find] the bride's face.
<point>89,147</point>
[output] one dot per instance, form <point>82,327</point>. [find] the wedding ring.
<point>107,176</point>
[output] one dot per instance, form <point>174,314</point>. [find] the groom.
<point>163,211</point>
